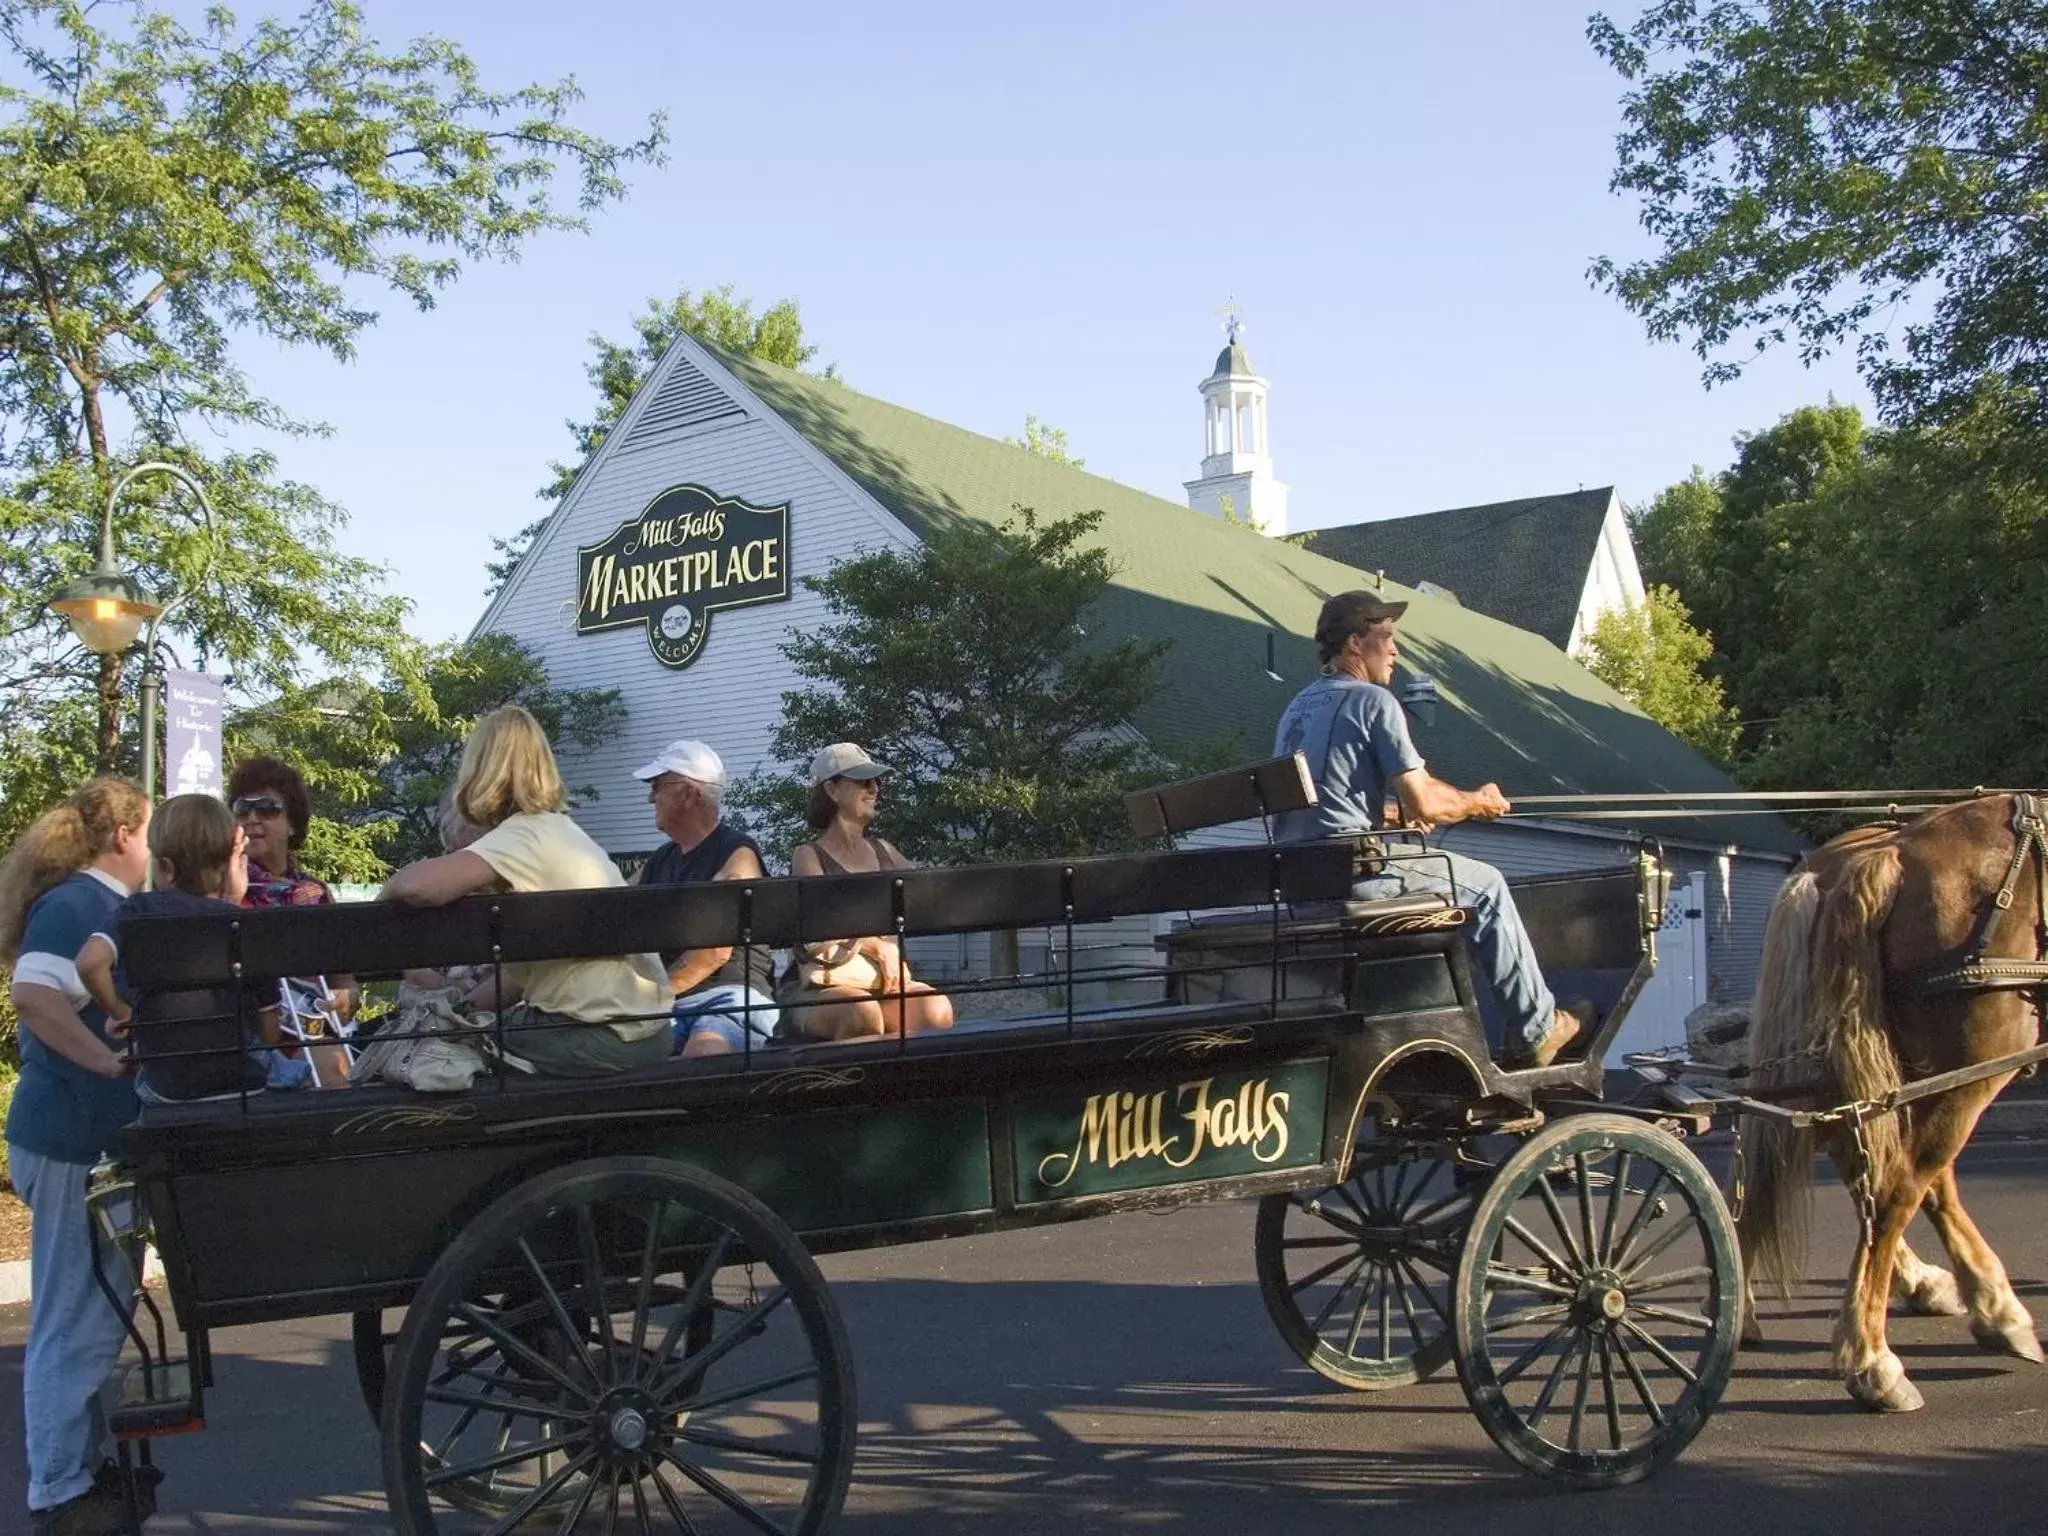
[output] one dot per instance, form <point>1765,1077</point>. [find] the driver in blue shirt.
<point>1352,730</point>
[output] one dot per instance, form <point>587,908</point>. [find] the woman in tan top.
<point>575,1018</point>
<point>847,989</point>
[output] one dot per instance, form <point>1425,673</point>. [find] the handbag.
<point>429,1047</point>
<point>838,967</point>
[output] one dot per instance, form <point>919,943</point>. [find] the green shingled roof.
<point>1513,708</point>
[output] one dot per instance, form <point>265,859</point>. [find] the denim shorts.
<point>723,1011</point>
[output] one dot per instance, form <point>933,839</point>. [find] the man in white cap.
<point>722,995</point>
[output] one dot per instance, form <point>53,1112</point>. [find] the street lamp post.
<point>107,607</point>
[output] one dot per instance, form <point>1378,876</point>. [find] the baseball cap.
<point>844,760</point>
<point>1349,612</point>
<point>691,759</point>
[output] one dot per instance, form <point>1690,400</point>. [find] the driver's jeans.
<point>1500,944</point>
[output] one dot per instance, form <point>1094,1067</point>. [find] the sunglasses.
<point>257,805</point>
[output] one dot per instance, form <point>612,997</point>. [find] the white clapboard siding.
<point>707,431</point>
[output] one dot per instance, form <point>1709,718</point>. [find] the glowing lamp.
<point>107,610</point>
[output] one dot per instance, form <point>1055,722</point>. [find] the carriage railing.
<point>373,940</point>
<point>1267,941</point>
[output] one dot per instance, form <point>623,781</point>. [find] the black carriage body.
<point>297,1205</point>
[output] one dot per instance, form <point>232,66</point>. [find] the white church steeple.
<point>1237,469</point>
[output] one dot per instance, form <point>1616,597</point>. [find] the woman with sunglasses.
<point>849,989</point>
<point>271,806</point>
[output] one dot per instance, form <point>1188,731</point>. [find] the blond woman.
<point>574,1018</point>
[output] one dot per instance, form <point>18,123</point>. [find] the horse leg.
<point>1874,1375</point>
<point>1998,1318</point>
<point>1747,1326</point>
<point>1926,1288</point>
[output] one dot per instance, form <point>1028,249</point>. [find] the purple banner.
<point>191,733</point>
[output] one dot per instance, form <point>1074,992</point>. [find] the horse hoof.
<point>1883,1388</point>
<point>1938,1296</point>
<point>1752,1331</point>
<point>2017,1340</point>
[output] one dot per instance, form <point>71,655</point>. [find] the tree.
<point>1880,595</point>
<point>165,191</point>
<point>1812,169</point>
<point>1232,518</point>
<point>379,758</point>
<point>963,665</point>
<point>1728,548</point>
<point>1048,442</point>
<point>1675,535</point>
<point>1652,656</point>
<point>776,335</point>
<point>1920,593</point>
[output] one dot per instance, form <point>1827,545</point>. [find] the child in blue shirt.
<point>190,1041</point>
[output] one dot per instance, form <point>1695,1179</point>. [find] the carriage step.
<point>157,1398</point>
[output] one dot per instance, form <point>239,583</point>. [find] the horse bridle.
<point>1979,972</point>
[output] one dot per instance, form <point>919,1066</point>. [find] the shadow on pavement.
<point>1065,1407</point>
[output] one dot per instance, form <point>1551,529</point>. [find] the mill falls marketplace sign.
<point>691,553</point>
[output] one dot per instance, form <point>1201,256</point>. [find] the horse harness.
<point>1978,971</point>
<point>1975,971</point>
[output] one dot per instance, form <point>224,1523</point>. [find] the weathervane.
<point>1231,316</point>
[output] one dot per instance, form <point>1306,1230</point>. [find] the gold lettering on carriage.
<point>1118,1128</point>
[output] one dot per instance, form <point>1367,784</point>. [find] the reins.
<point>1693,804</point>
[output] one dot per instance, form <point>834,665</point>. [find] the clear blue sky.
<point>986,211</point>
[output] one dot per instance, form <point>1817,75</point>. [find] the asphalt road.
<point>1120,1375</point>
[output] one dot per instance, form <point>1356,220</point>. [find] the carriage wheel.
<point>552,1363</point>
<point>490,1494</point>
<point>1596,1301</point>
<point>1358,1277</point>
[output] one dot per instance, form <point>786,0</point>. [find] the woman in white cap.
<point>850,988</point>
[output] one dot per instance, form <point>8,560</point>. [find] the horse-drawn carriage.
<point>612,1315</point>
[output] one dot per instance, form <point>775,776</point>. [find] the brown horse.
<point>1866,986</point>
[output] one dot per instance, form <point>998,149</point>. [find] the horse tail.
<point>1775,1205</point>
<point>1820,1003</point>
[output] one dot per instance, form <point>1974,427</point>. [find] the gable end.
<point>687,398</point>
